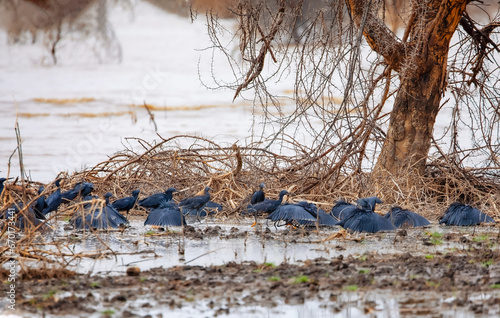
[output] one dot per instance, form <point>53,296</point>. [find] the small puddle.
<point>374,303</point>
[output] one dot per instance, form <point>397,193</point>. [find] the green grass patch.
<point>436,241</point>
<point>480,238</point>
<point>95,284</point>
<point>269,264</point>
<point>50,294</point>
<point>437,235</point>
<point>274,279</point>
<point>301,279</point>
<point>351,288</point>
<point>487,263</point>
<point>364,271</point>
<point>150,232</point>
<point>429,256</point>
<point>495,286</point>
<point>108,312</point>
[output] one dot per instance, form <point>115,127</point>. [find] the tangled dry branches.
<point>234,173</point>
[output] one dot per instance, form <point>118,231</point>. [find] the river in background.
<point>84,109</point>
<point>77,113</point>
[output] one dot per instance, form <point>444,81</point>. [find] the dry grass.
<point>186,108</point>
<point>235,173</point>
<point>216,6</point>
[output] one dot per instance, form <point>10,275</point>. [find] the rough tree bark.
<point>421,64</point>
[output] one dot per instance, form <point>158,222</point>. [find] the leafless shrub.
<point>234,173</point>
<point>343,92</point>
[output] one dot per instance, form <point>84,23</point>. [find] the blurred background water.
<point>77,112</point>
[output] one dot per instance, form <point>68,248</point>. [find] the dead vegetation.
<point>234,173</point>
<point>452,161</point>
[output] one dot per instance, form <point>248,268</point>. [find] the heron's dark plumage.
<point>97,218</point>
<point>302,214</point>
<point>464,215</point>
<point>258,196</point>
<point>342,209</point>
<point>268,205</point>
<point>2,186</point>
<point>405,218</point>
<point>127,203</point>
<point>196,202</point>
<point>292,214</point>
<point>167,214</point>
<point>69,195</point>
<point>53,200</point>
<point>80,189</point>
<point>84,188</point>
<point>40,203</point>
<point>364,218</point>
<point>209,208</point>
<point>153,201</point>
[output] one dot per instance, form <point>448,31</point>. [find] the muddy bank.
<point>461,281</point>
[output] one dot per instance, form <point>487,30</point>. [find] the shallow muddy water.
<point>212,242</point>
<point>229,269</point>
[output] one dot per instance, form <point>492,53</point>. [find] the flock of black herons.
<point>164,211</point>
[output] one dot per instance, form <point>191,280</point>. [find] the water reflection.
<point>375,303</point>
<point>139,246</point>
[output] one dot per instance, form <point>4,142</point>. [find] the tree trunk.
<point>411,124</point>
<point>421,63</point>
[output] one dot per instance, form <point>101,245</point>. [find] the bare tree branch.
<point>380,38</point>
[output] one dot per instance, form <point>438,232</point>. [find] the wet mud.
<point>433,272</point>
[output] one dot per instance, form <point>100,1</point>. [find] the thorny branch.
<point>343,89</point>
<point>257,64</point>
